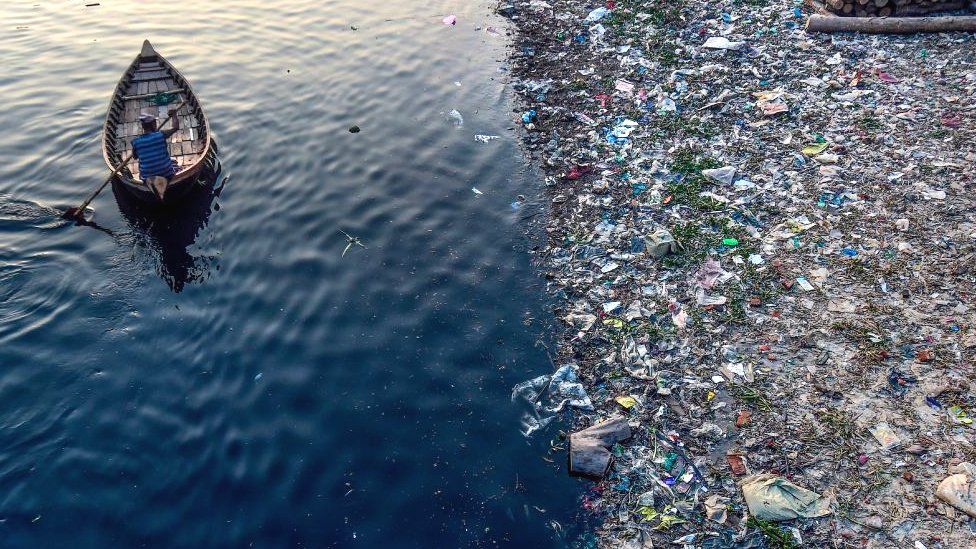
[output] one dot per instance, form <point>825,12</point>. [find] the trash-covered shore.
<point>762,247</point>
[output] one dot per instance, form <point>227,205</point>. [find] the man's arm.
<point>176,124</point>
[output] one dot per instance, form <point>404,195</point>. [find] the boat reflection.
<point>169,231</point>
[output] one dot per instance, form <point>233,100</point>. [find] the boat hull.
<point>177,190</point>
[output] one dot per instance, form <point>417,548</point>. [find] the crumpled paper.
<point>716,508</point>
<point>770,497</point>
<point>959,488</point>
<point>712,274</point>
<point>547,396</point>
<point>724,175</point>
<point>722,43</point>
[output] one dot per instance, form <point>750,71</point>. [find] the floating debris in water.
<point>727,182</point>
<point>455,115</point>
<point>350,242</point>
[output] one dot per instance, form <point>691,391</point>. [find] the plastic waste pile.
<point>763,249</point>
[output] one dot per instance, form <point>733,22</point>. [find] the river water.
<point>224,377</point>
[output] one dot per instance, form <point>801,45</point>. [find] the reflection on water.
<point>169,232</point>
<point>225,377</point>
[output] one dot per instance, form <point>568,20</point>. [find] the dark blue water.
<point>222,376</point>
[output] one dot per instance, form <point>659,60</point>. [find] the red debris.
<point>951,120</point>
<point>744,417</point>
<point>885,77</point>
<point>577,172</point>
<point>738,464</point>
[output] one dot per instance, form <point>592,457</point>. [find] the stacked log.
<point>886,8</point>
<point>934,6</point>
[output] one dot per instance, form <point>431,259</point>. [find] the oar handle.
<point>122,164</point>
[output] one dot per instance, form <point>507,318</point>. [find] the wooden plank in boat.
<point>143,76</point>
<point>165,79</point>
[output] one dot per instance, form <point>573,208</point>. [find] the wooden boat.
<point>151,85</point>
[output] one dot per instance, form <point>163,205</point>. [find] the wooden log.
<point>589,449</point>
<point>836,4</point>
<point>885,11</point>
<point>880,3</point>
<point>918,9</point>
<point>891,25</point>
<point>848,8</point>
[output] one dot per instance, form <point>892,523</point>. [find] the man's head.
<point>148,122</point>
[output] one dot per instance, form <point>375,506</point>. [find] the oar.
<point>79,212</point>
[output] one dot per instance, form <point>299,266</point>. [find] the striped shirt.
<point>153,156</point>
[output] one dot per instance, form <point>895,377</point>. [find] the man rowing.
<point>153,154</point>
